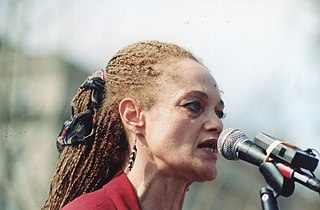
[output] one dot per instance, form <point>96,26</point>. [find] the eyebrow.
<point>199,93</point>
<point>204,95</point>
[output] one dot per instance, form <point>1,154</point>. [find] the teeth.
<point>209,149</point>
<point>208,146</point>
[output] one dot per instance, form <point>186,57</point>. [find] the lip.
<point>209,155</point>
<point>214,141</point>
<point>207,152</point>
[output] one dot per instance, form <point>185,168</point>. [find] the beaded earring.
<point>133,155</point>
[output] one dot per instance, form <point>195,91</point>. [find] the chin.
<point>207,175</point>
<point>212,176</point>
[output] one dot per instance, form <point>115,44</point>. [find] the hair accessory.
<point>81,127</point>
<point>97,84</point>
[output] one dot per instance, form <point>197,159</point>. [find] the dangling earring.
<point>133,154</point>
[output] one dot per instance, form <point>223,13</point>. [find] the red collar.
<point>121,192</point>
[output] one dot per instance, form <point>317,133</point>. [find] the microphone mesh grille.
<point>227,142</point>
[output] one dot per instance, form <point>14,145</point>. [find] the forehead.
<point>188,75</point>
<point>189,72</point>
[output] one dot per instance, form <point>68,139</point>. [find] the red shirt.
<point>118,193</point>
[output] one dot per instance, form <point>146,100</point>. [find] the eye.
<point>220,114</point>
<point>194,106</point>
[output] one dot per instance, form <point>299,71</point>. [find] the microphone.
<point>233,144</point>
<point>286,152</point>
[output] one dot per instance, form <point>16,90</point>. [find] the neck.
<point>156,189</point>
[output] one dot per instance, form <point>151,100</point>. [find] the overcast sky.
<point>264,54</point>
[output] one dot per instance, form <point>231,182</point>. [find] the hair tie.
<point>81,127</point>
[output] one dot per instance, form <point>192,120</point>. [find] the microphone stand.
<point>277,185</point>
<point>268,200</point>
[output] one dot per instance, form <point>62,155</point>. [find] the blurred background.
<point>264,55</point>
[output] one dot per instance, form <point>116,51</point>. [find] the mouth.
<point>209,145</point>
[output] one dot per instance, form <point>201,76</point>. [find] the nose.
<point>214,124</point>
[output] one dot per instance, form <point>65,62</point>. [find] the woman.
<point>142,132</point>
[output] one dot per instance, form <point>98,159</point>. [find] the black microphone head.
<point>227,142</point>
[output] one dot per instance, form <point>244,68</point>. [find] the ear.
<point>131,115</point>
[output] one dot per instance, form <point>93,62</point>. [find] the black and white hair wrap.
<point>81,127</point>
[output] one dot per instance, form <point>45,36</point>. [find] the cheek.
<point>170,128</point>
<point>175,135</point>
<point>163,127</point>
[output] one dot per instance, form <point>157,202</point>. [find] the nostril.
<point>214,124</point>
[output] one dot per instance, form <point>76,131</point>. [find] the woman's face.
<point>183,126</point>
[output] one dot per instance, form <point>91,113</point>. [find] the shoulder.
<point>116,194</point>
<point>97,200</point>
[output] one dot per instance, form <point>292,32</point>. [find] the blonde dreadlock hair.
<point>133,72</point>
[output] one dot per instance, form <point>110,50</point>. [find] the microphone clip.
<point>275,180</point>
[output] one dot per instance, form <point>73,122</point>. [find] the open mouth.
<point>209,145</point>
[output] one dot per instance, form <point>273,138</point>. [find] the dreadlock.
<point>134,71</point>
